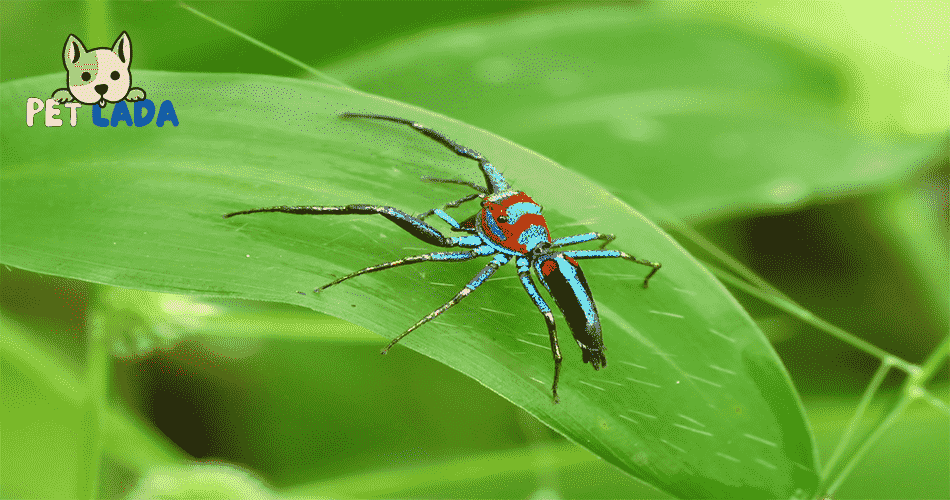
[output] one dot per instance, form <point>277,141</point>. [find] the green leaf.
<point>701,115</point>
<point>694,400</point>
<point>203,481</point>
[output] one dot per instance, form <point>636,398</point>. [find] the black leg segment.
<point>451,204</point>
<point>542,306</point>
<point>410,224</point>
<point>496,182</point>
<point>606,254</point>
<point>479,278</point>
<point>476,187</point>
<point>415,259</point>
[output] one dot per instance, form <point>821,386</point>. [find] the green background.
<point>808,144</point>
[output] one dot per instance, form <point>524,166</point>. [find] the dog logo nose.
<point>101,88</point>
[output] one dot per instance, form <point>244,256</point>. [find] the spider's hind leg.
<point>479,278</point>
<point>415,259</point>
<point>525,275</point>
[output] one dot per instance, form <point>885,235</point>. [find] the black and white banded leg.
<point>415,259</point>
<point>479,278</point>
<point>414,226</point>
<point>582,238</point>
<point>525,275</point>
<point>606,254</point>
<point>493,177</point>
<point>451,204</point>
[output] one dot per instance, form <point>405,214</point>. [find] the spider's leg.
<point>496,182</point>
<point>434,256</point>
<point>410,224</point>
<point>476,187</point>
<point>526,280</point>
<point>479,278</point>
<point>606,254</point>
<point>581,238</point>
<point>451,204</point>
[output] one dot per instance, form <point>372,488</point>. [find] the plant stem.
<point>932,363</point>
<point>866,445</point>
<point>866,398</point>
<point>912,390</point>
<point>934,401</point>
<point>95,406</point>
<point>803,314</point>
<point>753,284</point>
<point>673,222</point>
<point>132,443</point>
<point>321,76</point>
<point>98,24</point>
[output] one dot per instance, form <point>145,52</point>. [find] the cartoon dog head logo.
<point>100,75</point>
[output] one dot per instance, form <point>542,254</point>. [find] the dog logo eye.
<point>86,76</point>
<point>115,75</point>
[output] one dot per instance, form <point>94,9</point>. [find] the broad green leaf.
<point>701,115</point>
<point>694,400</point>
<point>200,481</point>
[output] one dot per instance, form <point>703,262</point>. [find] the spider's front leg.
<point>493,178</point>
<point>410,224</point>
<point>582,238</point>
<point>451,204</point>
<point>606,254</point>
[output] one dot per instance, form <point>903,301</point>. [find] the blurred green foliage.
<point>801,144</point>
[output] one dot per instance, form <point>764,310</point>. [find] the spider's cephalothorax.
<point>513,222</point>
<point>508,226</point>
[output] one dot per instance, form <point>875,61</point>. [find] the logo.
<point>98,77</point>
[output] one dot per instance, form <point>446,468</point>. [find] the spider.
<point>508,226</point>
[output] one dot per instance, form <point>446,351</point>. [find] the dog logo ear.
<point>123,48</point>
<point>72,50</point>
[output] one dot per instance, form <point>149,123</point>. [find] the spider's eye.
<point>503,219</point>
<point>86,76</point>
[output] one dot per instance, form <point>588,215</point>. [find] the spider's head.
<point>513,220</point>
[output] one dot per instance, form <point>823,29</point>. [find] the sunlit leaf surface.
<point>693,401</point>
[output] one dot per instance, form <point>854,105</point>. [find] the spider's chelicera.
<point>508,226</point>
